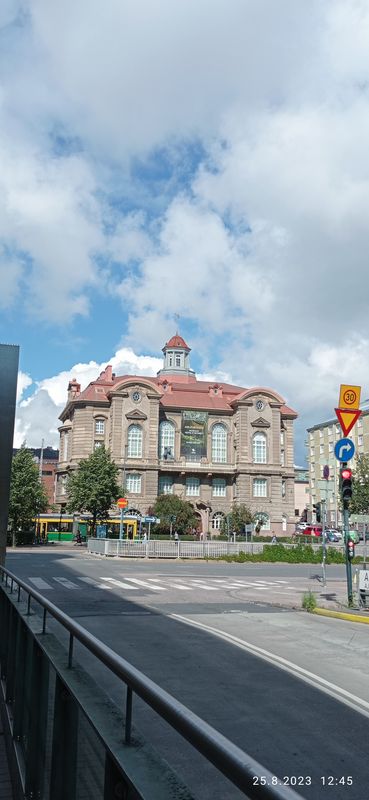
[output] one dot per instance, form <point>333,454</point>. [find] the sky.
<point>201,159</point>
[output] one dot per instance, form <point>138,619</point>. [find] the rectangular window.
<point>330,447</point>
<point>260,487</point>
<point>165,484</point>
<point>66,443</point>
<point>282,458</point>
<point>330,430</point>
<point>99,426</point>
<point>170,359</point>
<point>313,483</point>
<point>133,483</point>
<point>192,487</point>
<point>178,361</point>
<point>219,487</point>
<point>321,449</point>
<point>311,451</point>
<point>283,488</point>
<point>282,438</point>
<point>47,472</point>
<point>360,439</point>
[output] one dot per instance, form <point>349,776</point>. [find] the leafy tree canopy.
<point>242,515</point>
<point>360,486</point>
<point>93,487</point>
<point>27,494</point>
<point>169,505</point>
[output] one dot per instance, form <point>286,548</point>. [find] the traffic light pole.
<point>346,528</point>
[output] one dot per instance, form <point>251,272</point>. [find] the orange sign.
<point>122,502</point>
<point>347,418</point>
<point>349,396</point>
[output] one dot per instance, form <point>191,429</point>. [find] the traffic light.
<point>350,549</point>
<point>317,511</point>
<point>346,483</point>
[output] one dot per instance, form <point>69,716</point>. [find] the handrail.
<point>240,768</point>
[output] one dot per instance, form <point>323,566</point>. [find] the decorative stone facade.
<point>213,444</point>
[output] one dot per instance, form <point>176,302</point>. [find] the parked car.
<point>361,536</point>
<point>301,526</point>
<point>333,535</point>
<point>311,530</point>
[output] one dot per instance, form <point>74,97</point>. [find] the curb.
<point>324,612</point>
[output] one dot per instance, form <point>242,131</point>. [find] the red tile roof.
<point>177,341</point>
<point>183,392</point>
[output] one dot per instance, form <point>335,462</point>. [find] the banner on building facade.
<point>194,434</point>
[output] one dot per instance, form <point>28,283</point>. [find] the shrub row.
<point>301,554</point>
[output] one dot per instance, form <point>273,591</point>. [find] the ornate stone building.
<point>211,443</point>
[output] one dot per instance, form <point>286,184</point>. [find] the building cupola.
<point>176,358</point>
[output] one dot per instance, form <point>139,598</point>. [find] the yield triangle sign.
<point>347,418</point>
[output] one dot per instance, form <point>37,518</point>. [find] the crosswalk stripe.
<point>121,584</point>
<point>147,585</point>
<point>92,582</point>
<point>174,585</point>
<point>207,587</point>
<point>65,582</point>
<point>40,583</point>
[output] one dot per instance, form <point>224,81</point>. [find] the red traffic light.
<point>346,474</point>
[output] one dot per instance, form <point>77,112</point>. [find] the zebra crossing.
<point>125,583</point>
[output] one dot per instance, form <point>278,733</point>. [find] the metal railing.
<point>26,696</point>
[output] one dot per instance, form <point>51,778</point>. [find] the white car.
<point>337,534</point>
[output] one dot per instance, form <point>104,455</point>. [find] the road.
<point>205,633</point>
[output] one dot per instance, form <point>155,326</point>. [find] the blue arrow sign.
<point>344,449</point>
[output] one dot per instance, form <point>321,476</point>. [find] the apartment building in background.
<point>211,443</point>
<point>320,443</point>
<point>46,459</point>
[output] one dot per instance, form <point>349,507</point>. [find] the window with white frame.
<point>165,484</point>
<point>321,449</point>
<point>312,450</point>
<point>178,360</point>
<point>330,430</point>
<point>134,441</point>
<point>216,522</point>
<point>282,458</point>
<point>219,443</point>
<point>330,446</point>
<point>282,438</point>
<point>97,444</point>
<point>133,483</point>
<point>260,487</point>
<point>170,359</point>
<point>166,440</point>
<point>219,487</point>
<point>264,521</point>
<point>192,487</point>
<point>283,488</point>
<point>360,439</point>
<point>312,483</point>
<point>259,450</point>
<point>99,426</point>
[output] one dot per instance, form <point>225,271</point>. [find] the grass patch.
<point>309,601</point>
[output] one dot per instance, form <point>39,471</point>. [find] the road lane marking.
<point>174,585</point>
<point>94,583</point>
<point>40,583</point>
<point>66,583</point>
<point>121,584</point>
<point>147,585</point>
<point>349,699</point>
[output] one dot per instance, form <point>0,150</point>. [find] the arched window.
<point>219,443</point>
<point>263,520</point>
<point>166,440</point>
<point>259,449</point>
<point>134,449</point>
<point>216,522</point>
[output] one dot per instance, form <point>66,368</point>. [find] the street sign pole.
<point>346,528</point>
<point>121,524</point>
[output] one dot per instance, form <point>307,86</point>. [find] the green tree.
<point>93,487</point>
<point>240,516</point>
<point>170,505</point>
<point>27,494</point>
<point>360,486</point>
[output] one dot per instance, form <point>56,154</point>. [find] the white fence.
<point>169,549</point>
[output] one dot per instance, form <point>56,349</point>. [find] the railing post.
<point>20,669</point>
<point>70,653</point>
<point>35,752</point>
<point>114,783</point>
<point>63,779</point>
<point>128,723</point>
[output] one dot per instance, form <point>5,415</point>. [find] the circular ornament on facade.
<point>259,405</point>
<point>136,397</point>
